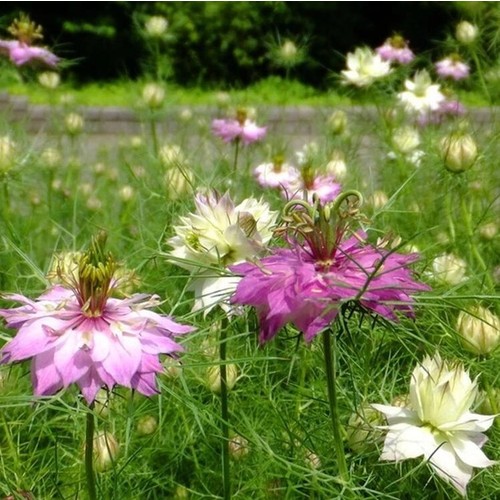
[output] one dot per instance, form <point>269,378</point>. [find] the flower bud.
<point>102,399</point>
<point>479,330</point>
<point>180,493</point>
<point>126,193</point>
<point>406,139</point>
<point>213,377</point>
<point>449,269</point>
<point>458,151</point>
<point>378,200</point>
<point>312,460</point>
<point>489,402</point>
<point>171,156</point>
<point>49,79</point>
<point>172,368</point>
<point>336,166</point>
<point>7,154</point>
<point>361,429</point>
<point>488,231</point>
<point>178,182</point>
<point>106,450</point>
<point>147,425</point>
<point>51,157</point>
<point>238,447</point>
<point>156,26</point>
<point>337,123</point>
<point>466,32</point>
<point>74,123</point>
<point>153,95</point>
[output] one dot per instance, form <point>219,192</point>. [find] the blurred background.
<point>233,44</point>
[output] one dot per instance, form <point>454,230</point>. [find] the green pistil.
<point>95,273</point>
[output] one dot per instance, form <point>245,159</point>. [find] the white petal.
<point>450,468</point>
<point>407,441</point>
<point>468,451</point>
<point>473,422</point>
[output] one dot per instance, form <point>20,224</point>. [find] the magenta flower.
<point>396,50</point>
<point>22,54</point>
<point>308,283</point>
<point>452,67</point>
<point>83,336</point>
<point>450,108</point>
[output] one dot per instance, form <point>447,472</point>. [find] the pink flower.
<point>395,49</point>
<point>90,339</point>
<point>21,53</point>
<point>305,286</point>
<point>231,129</point>
<point>449,108</point>
<point>323,186</point>
<point>276,175</point>
<point>452,67</point>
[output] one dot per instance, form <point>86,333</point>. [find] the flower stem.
<point>154,134</point>
<point>89,449</point>
<point>226,477</point>
<point>330,366</point>
<point>236,152</point>
<point>467,220</point>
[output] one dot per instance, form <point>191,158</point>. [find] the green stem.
<point>154,134</point>
<point>467,219</point>
<point>236,152</point>
<point>449,215</point>
<point>89,449</point>
<point>330,366</point>
<point>226,477</point>
<point>479,70</point>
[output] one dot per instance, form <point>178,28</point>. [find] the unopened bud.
<point>466,32</point>
<point>406,139</point>
<point>458,151</point>
<point>337,166</point>
<point>147,425</point>
<point>106,451</point>
<point>449,269</point>
<point>479,330</point>
<point>74,123</point>
<point>7,154</point>
<point>49,79</point>
<point>238,447</point>
<point>213,380</point>
<point>362,432</point>
<point>337,123</point>
<point>178,182</point>
<point>153,95</point>
<point>156,26</point>
<point>51,157</point>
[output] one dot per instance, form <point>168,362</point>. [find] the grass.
<point>279,403</point>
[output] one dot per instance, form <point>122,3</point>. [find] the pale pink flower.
<point>452,67</point>
<point>324,187</point>
<point>22,54</point>
<point>230,130</point>
<point>395,49</point>
<point>94,345</point>
<point>276,175</point>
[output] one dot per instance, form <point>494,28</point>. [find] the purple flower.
<point>452,67</point>
<point>395,49</point>
<point>308,283</point>
<point>230,130</point>
<point>22,54</point>
<point>79,334</point>
<point>449,108</point>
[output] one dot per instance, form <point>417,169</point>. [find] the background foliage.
<point>227,43</point>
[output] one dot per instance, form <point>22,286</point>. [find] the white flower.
<point>216,236</point>
<point>156,26</point>
<point>438,424</point>
<point>421,95</point>
<point>364,67</point>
